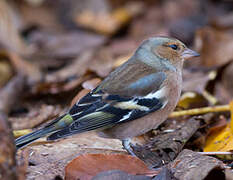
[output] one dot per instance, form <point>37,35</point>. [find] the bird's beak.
<point>188,53</point>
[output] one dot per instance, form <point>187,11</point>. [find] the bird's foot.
<point>128,146</point>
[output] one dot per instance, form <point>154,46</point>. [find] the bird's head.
<point>168,49</point>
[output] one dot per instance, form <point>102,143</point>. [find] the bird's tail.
<point>48,129</point>
<point>29,138</point>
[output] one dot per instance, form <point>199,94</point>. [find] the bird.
<point>135,98</point>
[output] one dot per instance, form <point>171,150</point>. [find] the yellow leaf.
<point>221,140</point>
<point>188,98</point>
<point>231,109</point>
<point>18,133</point>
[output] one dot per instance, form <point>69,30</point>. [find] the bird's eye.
<point>173,46</point>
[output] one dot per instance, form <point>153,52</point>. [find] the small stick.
<point>215,153</point>
<point>204,110</point>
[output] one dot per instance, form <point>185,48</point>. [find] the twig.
<point>215,153</point>
<point>196,111</point>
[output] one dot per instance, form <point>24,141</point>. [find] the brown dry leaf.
<point>79,96</point>
<point>37,115</point>
<point>123,46</point>
<point>199,80</point>
<point>78,68</point>
<point>68,77</point>
<point>191,165</point>
<point>221,93</point>
<point>184,29</point>
<point>220,124</point>
<point>7,150</point>
<point>223,21</point>
<point>117,174</point>
<point>11,93</point>
<point>215,46</point>
<point>47,17</point>
<point>91,84</point>
<point>88,86</point>
<point>108,23</point>
<point>86,166</point>
<point>121,60</point>
<point>150,24</point>
<point>6,72</point>
<point>103,63</point>
<point>22,167</point>
<point>58,87</point>
<point>9,29</point>
<point>173,10</point>
<point>52,45</point>
<point>48,159</point>
<point>25,67</point>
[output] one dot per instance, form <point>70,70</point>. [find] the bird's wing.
<point>101,108</point>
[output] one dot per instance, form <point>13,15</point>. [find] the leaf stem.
<point>204,110</point>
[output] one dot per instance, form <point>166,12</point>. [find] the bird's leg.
<point>127,146</point>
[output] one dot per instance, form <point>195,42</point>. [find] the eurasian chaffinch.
<point>135,98</point>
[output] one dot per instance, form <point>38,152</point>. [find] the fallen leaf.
<point>8,163</point>
<point>37,115</point>
<point>221,93</point>
<point>48,159</point>
<point>121,60</point>
<point>6,72</point>
<point>81,93</point>
<point>64,45</point>
<point>221,140</point>
<point>117,174</point>
<point>191,100</point>
<point>25,67</point>
<point>9,30</point>
<point>223,21</point>
<point>86,166</point>
<point>108,23</point>
<point>215,46</point>
<point>103,63</point>
<point>220,124</point>
<point>48,18</point>
<point>88,86</point>
<point>91,84</point>
<point>78,67</point>
<point>184,29</point>
<point>191,165</point>
<point>200,78</point>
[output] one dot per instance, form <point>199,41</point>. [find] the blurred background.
<point>62,49</point>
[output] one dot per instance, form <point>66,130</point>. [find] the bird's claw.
<point>128,146</point>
